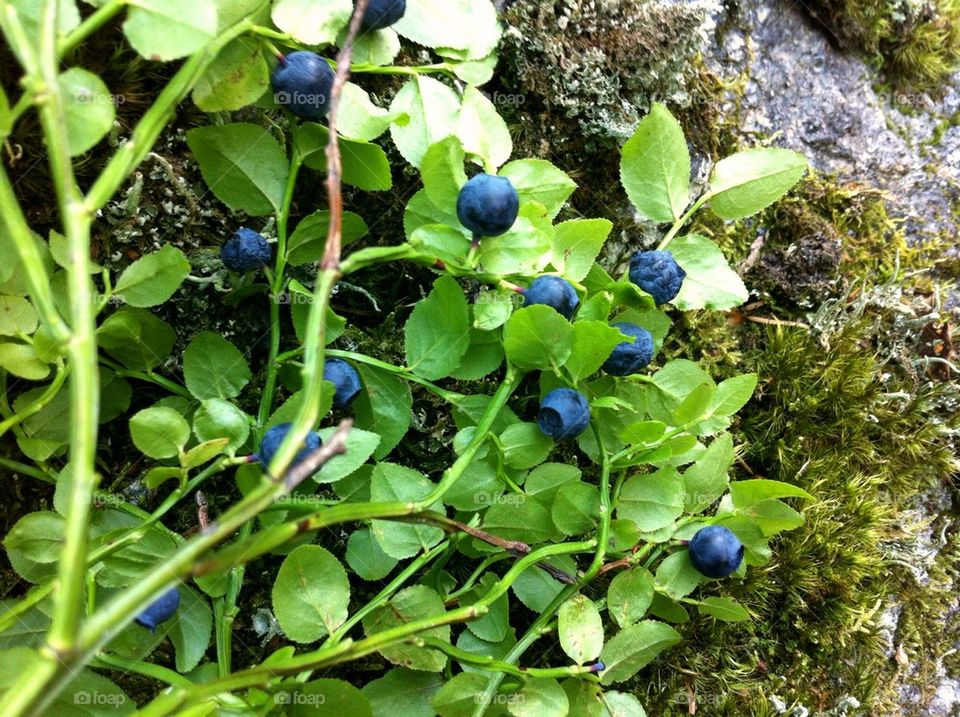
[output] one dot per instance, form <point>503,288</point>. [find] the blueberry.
<point>274,437</point>
<point>488,205</point>
<point>382,13</point>
<point>302,83</point>
<point>715,551</point>
<point>564,413</point>
<point>630,356</point>
<point>345,379</point>
<point>658,274</point>
<point>160,610</point>
<point>245,250</point>
<point>552,291</point>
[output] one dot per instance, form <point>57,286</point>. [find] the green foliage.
<point>543,520</point>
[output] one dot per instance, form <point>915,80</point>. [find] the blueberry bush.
<point>586,495</point>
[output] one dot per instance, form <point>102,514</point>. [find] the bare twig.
<point>331,254</point>
<point>335,445</point>
<point>451,526</point>
<point>203,517</point>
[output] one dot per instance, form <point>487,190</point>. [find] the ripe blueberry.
<point>345,379</point>
<point>274,437</point>
<point>302,83</point>
<point>552,291</point>
<point>658,274</point>
<point>564,413</point>
<point>488,205</point>
<point>160,610</point>
<point>715,551</point>
<point>382,13</point>
<point>245,250</point>
<point>630,356</point>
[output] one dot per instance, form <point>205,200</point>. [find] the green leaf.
<point>494,626</point>
<point>217,418</point>
<point>327,696</point>
<point>432,109</point>
<point>243,165</point>
<point>392,483</point>
<point>30,12</point>
<point>655,167</point>
<point>203,452</point>
<point>652,501</point>
<point>749,181</point>
<point>190,631</point>
<point>629,596</point>
<point>525,445</point>
<point>459,696</point>
<point>710,282</point>
<point>164,30</point>
<point>540,181</point>
<point>364,165</point>
<point>593,341</point>
<point>437,333</point>
<point>643,432</point>
<point>633,648</point>
<point>159,432</point>
<point>469,25</point>
<point>312,23</point>
<point>359,118</point>
<point>311,594</point>
<point>545,480</point>
<point>127,566</point>
<point>136,338</point>
<point>309,239</point>
<point>366,558</point>
<point>667,609</point>
<point>539,697</point>
<point>410,605</point>
<point>491,309</point>
<point>676,575</point>
<point>576,245</point>
<point>360,446</point>
<point>695,405</point>
<point>34,545</point>
<point>482,130</point>
<point>525,520</point>
<point>723,608</point>
<point>733,394</point>
<point>484,355</point>
<point>524,249</point>
<point>707,479</point>
<point>152,279</point>
<point>383,407</point>
<point>22,360</point>
<point>442,171</point>
<point>536,588</point>
<point>773,516</point>
<point>376,47</point>
<point>537,337</point>
<point>237,78</point>
<point>745,493</point>
<point>214,368</point>
<point>403,692</point>
<point>17,316</point>
<point>580,629</point>
<point>576,508</point>
<point>87,107</point>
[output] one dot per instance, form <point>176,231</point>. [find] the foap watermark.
<point>487,499</point>
<point>98,98</point>
<point>307,699</point>
<point>501,699</point>
<point>94,698</point>
<point>292,297</point>
<point>506,99</point>
<point>300,99</point>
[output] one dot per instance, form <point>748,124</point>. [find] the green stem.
<point>149,377</point>
<point>97,20</point>
<point>490,663</point>
<point>147,669</point>
<point>36,406</point>
<point>683,220</point>
<point>26,470</point>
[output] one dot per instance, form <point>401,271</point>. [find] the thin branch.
<point>335,445</point>
<point>450,525</point>
<point>331,254</point>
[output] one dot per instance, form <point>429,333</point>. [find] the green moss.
<point>915,42</point>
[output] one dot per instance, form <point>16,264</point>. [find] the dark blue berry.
<point>488,205</point>
<point>715,551</point>
<point>302,83</point>
<point>274,437</point>
<point>552,291</point>
<point>246,250</point>
<point>658,274</point>
<point>564,413</point>
<point>345,379</point>
<point>630,356</point>
<point>160,610</point>
<point>382,13</point>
